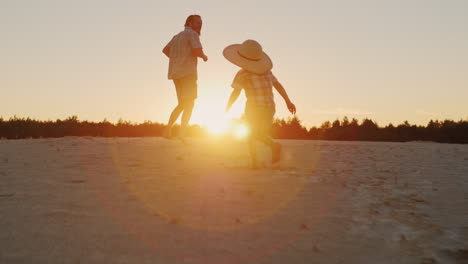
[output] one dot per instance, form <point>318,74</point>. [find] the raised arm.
<point>234,95</point>
<point>282,92</point>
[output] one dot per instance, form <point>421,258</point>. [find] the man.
<point>183,52</point>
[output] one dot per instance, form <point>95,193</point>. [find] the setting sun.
<point>218,127</point>
<point>209,113</point>
<point>231,127</point>
<point>219,123</point>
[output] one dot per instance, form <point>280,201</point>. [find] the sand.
<point>152,200</point>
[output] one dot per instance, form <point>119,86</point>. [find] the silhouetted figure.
<point>257,80</point>
<point>183,51</point>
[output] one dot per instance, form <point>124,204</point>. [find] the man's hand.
<point>199,53</point>
<point>291,107</point>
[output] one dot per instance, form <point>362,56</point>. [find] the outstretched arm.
<point>234,95</point>
<point>282,92</point>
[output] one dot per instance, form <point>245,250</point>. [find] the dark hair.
<point>190,18</point>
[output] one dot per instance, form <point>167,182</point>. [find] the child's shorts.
<point>259,119</point>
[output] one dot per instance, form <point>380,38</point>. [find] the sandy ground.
<point>151,200</point>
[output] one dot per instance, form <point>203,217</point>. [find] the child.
<point>257,80</point>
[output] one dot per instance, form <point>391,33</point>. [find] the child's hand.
<point>291,107</point>
<point>228,107</point>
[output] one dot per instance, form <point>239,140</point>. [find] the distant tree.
<point>447,131</point>
<point>368,130</point>
<point>315,133</point>
<point>290,129</point>
<point>335,131</point>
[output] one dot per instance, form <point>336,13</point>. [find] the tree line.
<point>446,131</point>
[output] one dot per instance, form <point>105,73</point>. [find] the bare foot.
<point>276,153</point>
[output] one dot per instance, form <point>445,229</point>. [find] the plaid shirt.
<point>182,62</point>
<point>258,88</point>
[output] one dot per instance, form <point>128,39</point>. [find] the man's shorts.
<point>186,88</point>
<point>260,119</point>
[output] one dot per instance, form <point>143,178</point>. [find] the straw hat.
<point>249,55</point>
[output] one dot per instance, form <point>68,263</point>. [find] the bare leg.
<point>253,153</point>
<point>172,119</point>
<point>275,148</point>
<point>186,115</point>
<point>275,152</point>
<point>267,141</point>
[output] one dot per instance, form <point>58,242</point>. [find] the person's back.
<point>182,61</point>
<point>258,88</point>
<point>183,51</point>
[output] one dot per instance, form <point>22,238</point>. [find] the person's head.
<point>195,22</point>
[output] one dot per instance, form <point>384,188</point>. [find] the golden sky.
<point>387,60</point>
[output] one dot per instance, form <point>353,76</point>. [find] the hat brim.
<point>263,65</point>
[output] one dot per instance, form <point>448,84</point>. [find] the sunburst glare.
<point>209,113</point>
<point>218,127</point>
<point>240,130</point>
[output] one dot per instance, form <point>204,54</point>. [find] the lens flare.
<point>240,131</point>
<point>219,127</point>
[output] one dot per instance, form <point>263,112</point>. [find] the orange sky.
<point>387,60</point>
